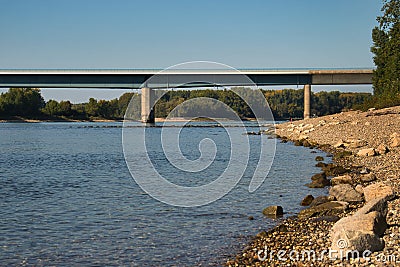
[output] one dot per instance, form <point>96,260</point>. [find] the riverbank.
<point>344,135</point>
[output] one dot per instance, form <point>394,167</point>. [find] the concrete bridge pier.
<point>147,112</point>
<point>307,101</point>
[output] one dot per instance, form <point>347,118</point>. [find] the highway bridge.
<point>149,79</point>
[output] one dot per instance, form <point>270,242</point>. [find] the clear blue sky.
<point>158,34</point>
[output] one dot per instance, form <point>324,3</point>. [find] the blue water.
<point>67,198</point>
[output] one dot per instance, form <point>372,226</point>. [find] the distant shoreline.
<point>18,119</point>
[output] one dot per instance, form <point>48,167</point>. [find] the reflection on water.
<point>67,198</point>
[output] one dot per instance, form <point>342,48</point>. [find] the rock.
<point>360,189</point>
<point>326,219</point>
<point>367,123</point>
<point>339,144</point>
<point>362,230</point>
<point>250,218</point>
<point>319,180</point>
<point>329,208</point>
<point>393,135</point>
<point>370,222</point>
<point>320,164</point>
<point>334,170</point>
<point>366,178</point>
<point>344,179</point>
<point>364,170</point>
<point>273,211</point>
<point>306,143</point>
<point>318,176</point>
<point>380,205</point>
<point>346,241</point>
<point>297,142</point>
<point>366,152</point>
<point>356,143</point>
<point>378,191</point>
<point>382,149</point>
<point>319,158</point>
<point>395,142</point>
<point>345,192</point>
<point>307,200</point>
<point>319,200</point>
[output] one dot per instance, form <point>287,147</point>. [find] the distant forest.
<point>286,103</point>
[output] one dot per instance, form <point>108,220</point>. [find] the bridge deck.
<point>134,78</point>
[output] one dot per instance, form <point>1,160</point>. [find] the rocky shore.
<point>361,212</point>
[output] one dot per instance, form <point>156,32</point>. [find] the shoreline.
<point>342,135</point>
<point>61,119</point>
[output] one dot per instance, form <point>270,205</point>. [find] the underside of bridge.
<point>135,79</point>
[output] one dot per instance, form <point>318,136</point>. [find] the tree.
<point>386,49</point>
<point>92,108</point>
<point>21,102</point>
<point>52,108</point>
<point>65,108</point>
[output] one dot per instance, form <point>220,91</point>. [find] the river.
<point>68,199</point>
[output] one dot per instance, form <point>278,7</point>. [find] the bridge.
<point>148,80</point>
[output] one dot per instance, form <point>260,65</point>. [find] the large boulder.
<point>273,211</point>
<point>378,191</point>
<point>345,192</point>
<point>369,222</point>
<point>326,209</point>
<point>361,231</point>
<point>344,243</point>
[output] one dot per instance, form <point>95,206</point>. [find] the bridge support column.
<point>147,105</point>
<point>307,101</point>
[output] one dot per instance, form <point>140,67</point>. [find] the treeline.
<point>284,104</point>
<point>29,103</point>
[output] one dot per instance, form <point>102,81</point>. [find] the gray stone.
<point>345,192</point>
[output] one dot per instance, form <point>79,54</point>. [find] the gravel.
<point>343,135</point>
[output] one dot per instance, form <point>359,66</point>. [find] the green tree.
<point>92,108</point>
<point>65,108</point>
<point>386,49</point>
<point>21,102</point>
<point>52,108</point>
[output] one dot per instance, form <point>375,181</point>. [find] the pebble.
<point>312,234</point>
